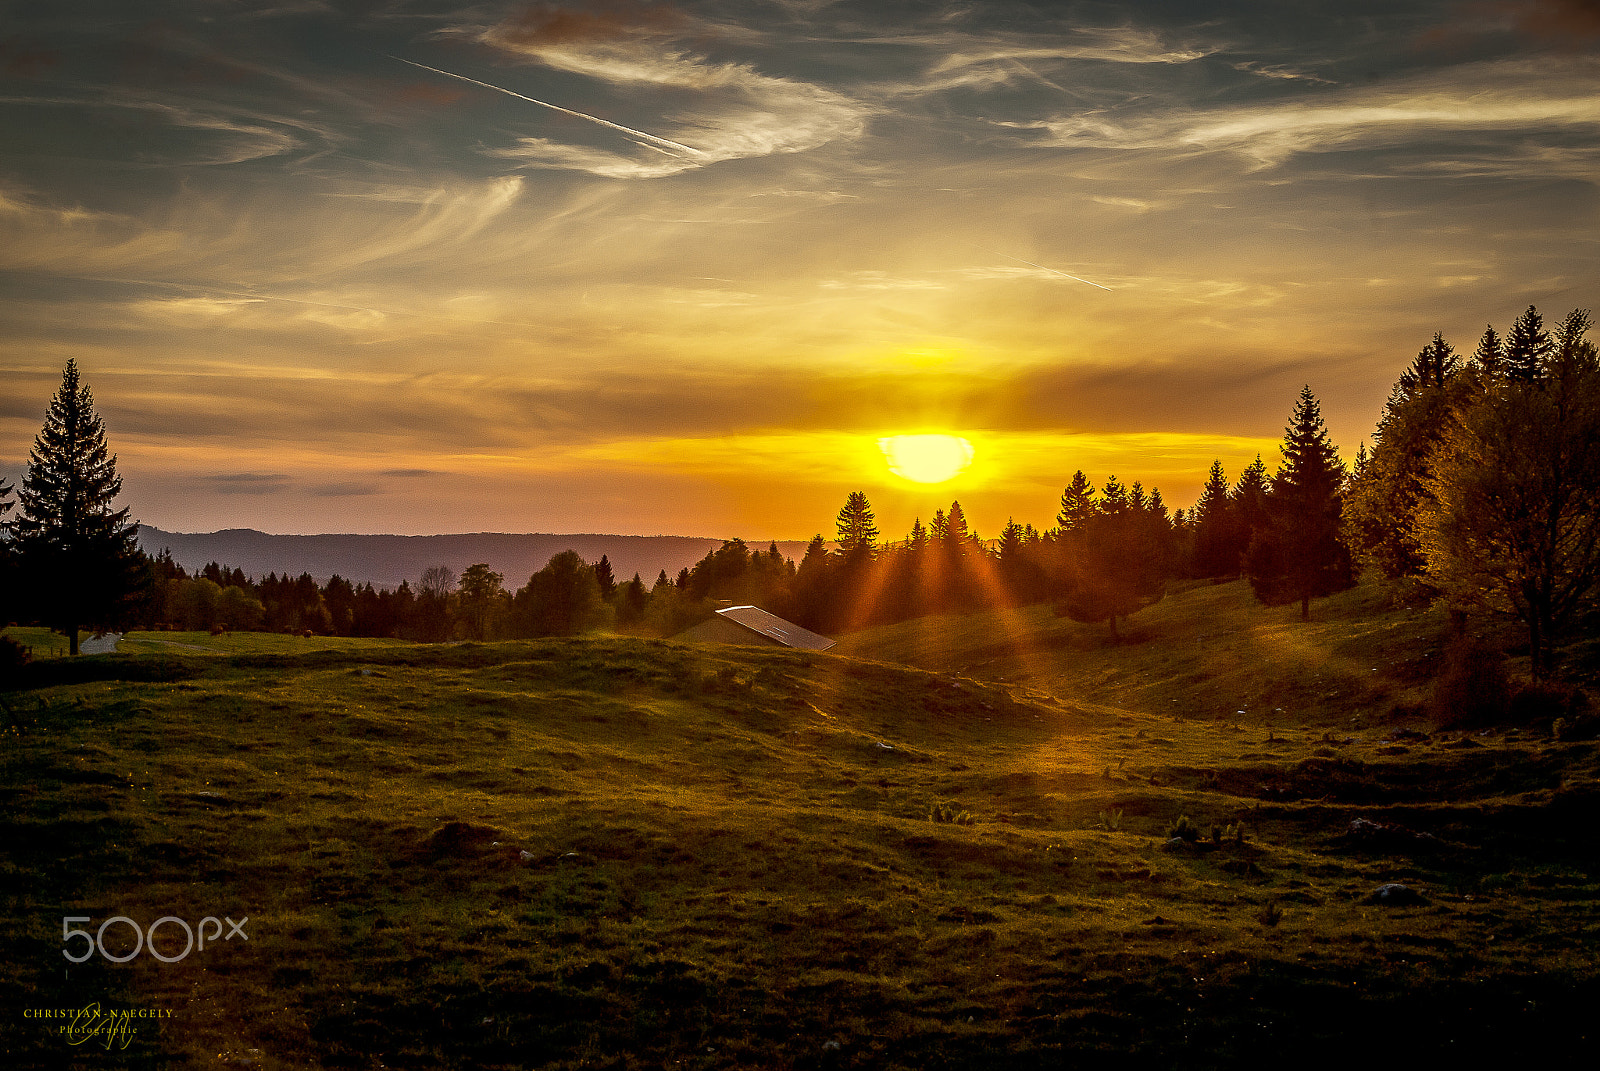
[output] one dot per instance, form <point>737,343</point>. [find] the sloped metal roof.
<point>774,627</point>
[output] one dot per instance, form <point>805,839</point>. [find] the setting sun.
<point>926,458</point>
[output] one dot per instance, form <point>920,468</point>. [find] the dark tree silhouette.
<point>1528,347</point>
<point>479,597</point>
<point>562,599</point>
<point>81,556</point>
<point>1301,553</point>
<point>858,530</point>
<point>1510,522</point>
<point>605,578</point>
<point>1216,528</point>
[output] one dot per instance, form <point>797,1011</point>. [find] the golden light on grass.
<point>926,458</point>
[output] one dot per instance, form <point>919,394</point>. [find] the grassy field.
<point>946,847</point>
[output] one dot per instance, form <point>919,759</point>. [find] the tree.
<point>1510,523</point>
<point>1118,560</point>
<point>478,598</point>
<point>434,589</point>
<point>1216,528</point>
<point>1077,503</point>
<point>562,599</point>
<point>605,578</point>
<point>82,556</point>
<point>1528,347</point>
<point>858,530</point>
<point>1386,490</point>
<point>1301,552</point>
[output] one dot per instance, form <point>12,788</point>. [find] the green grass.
<point>733,857</point>
<point>244,643</point>
<point>42,642</point>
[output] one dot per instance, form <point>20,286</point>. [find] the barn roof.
<point>776,628</point>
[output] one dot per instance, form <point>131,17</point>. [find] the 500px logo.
<point>145,939</point>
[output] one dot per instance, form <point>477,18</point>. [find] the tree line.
<point>1480,490</point>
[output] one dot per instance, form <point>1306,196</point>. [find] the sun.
<point>926,458</point>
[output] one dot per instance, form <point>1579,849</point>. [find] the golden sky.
<point>418,266</point>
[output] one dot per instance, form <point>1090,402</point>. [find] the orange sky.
<point>318,287</point>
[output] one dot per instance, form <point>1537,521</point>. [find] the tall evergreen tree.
<point>1488,360</point>
<point>1216,528</point>
<point>1528,347</point>
<point>80,554</point>
<point>1077,503</point>
<point>605,578</point>
<point>858,529</point>
<point>1301,553</point>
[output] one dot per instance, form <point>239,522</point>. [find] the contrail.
<point>1041,267</point>
<point>557,108</point>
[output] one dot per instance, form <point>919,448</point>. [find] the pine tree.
<point>605,578</point>
<point>1528,347</point>
<point>81,555</point>
<point>1488,360</point>
<point>1077,503</point>
<point>1301,553</point>
<point>1217,542</point>
<point>858,529</point>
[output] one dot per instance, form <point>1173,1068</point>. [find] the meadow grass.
<point>635,853</point>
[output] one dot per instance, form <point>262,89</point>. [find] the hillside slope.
<point>637,853</point>
<point>1207,651</point>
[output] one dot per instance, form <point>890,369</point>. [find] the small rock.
<point>1393,894</point>
<point>526,856</point>
<point>831,1046</point>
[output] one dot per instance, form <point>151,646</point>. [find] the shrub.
<point>1183,828</point>
<point>944,812</point>
<point>1538,700</point>
<point>1471,688</point>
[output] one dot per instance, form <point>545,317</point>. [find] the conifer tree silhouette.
<point>80,554</point>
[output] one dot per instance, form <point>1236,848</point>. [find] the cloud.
<point>723,111</point>
<point>345,489</point>
<point>247,483</point>
<point>1504,98</point>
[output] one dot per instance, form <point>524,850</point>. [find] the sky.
<point>421,266</point>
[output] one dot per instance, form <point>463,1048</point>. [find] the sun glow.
<point>926,458</point>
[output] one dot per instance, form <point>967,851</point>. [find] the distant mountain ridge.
<point>386,560</point>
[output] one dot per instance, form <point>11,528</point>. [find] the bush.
<point>1471,688</point>
<point>1184,829</point>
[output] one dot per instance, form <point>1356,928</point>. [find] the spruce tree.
<point>80,554</point>
<point>605,578</point>
<point>1488,360</point>
<point>1528,347</point>
<point>857,528</point>
<point>1077,503</point>
<point>1301,553</point>
<point>1216,542</point>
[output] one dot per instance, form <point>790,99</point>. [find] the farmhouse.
<point>753,625</point>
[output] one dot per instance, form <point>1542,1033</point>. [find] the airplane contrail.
<point>1041,267</point>
<point>556,107</point>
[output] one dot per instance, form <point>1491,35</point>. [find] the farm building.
<point>753,625</point>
